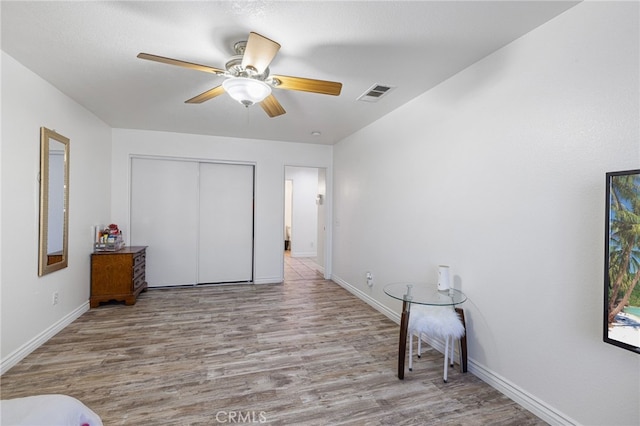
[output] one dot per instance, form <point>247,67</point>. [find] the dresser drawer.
<point>138,270</point>
<point>139,259</point>
<point>139,281</point>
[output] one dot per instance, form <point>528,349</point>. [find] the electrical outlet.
<point>55,298</point>
<point>369,279</point>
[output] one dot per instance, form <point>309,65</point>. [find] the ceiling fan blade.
<point>259,52</point>
<point>179,63</point>
<point>272,107</point>
<point>308,85</point>
<point>205,96</point>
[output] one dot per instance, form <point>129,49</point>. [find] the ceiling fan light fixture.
<point>247,91</point>
<point>248,78</point>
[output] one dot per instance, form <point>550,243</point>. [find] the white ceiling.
<point>88,51</point>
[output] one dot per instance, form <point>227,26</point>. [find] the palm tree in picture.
<point>624,241</point>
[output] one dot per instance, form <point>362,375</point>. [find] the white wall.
<point>499,172</point>
<point>28,102</point>
<point>268,156</point>
<point>304,215</point>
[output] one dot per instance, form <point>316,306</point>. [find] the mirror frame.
<point>48,263</point>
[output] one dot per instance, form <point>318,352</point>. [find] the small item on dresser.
<point>109,239</point>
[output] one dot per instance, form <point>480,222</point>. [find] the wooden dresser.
<point>118,275</point>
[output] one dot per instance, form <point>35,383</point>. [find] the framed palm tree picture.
<point>622,260</point>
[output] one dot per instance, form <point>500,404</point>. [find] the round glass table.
<point>424,294</point>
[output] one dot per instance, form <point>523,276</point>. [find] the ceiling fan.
<point>247,76</point>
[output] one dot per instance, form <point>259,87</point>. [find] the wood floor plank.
<point>305,352</point>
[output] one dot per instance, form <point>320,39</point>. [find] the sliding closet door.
<point>164,216</point>
<point>226,223</point>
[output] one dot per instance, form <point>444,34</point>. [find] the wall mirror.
<point>54,201</point>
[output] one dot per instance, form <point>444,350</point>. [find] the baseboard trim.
<point>392,315</point>
<point>519,395</point>
<point>502,385</point>
<point>22,352</point>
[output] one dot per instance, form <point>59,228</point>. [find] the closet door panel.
<point>164,216</point>
<point>226,223</point>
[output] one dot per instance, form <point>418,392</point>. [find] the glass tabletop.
<point>424,294</point>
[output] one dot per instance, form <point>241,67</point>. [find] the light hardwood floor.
<point>305,352</point>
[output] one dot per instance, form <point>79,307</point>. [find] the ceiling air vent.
<point>375,92</point>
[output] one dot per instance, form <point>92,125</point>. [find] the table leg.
<point>402,346</point>
<point>463,343</point>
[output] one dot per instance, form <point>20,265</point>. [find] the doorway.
<point>304,222</point>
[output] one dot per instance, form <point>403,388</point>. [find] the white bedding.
<point>47,410</point>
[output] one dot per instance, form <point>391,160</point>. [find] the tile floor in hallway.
<point>300,268</point>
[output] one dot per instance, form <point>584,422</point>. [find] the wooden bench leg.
<point>463,343</point>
